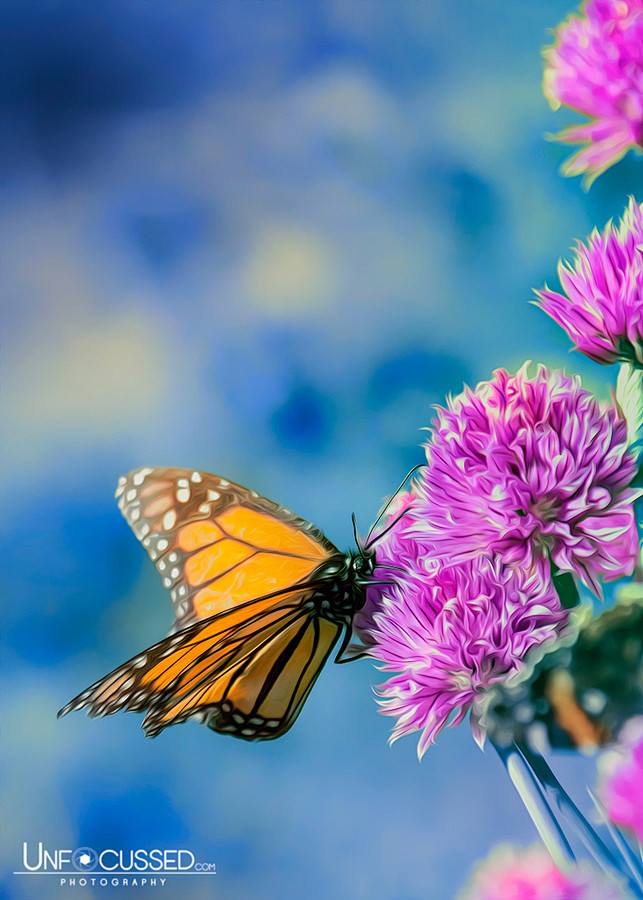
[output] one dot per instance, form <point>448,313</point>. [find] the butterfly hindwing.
<point>215,543</point>
<point>246,675</point>
<point>254,695</point>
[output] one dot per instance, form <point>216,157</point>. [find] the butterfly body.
<point>261,598</point>
<point>343,581</point>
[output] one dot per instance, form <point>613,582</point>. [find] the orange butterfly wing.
<point>246,675</point>
<point>216,544</point>
<point>248,645</point>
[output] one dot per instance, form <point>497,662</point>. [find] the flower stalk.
<point>546,801</point>
<point>533,797</point>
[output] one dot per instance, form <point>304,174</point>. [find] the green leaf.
<point>629,396</point>
<point>565,587</point>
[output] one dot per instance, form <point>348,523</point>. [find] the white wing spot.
<point>131,495</point>
<point>224,483</point>
<point>183,591</point>
<point>169,520</point>
<point>135,515</point>
<point>167,582</point>
<point>162,545</point>
<point>175,573</point>
<point>195,477</point>
<point>161,565</point>
<point>205,508</point>
<point>172,557</point>
<point>213,495</point>
<point>183,495</point>
<point>182,482</point>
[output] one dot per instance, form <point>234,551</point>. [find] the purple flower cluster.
<point>511,873</point>
<point>522,472</point>
<point>621,781</point>
<point>530,468</point>
<point>596,67</point>
<point>452,633</point>
<point>601,308</point>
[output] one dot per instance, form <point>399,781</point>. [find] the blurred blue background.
<point>262,238</point>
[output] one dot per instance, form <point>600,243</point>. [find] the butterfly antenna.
<point>388,503</point>
<point>355,531</point>
<point>386,530</point>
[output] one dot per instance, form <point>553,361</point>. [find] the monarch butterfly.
<point>260,597</point>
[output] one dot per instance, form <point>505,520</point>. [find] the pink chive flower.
<point>512,873</point>
<point>530,468</point>
<point>450,633</point>
<point>621,778</point>
<point>601,308</point>
<point>596,68</point>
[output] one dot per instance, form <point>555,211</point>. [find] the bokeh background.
<point>262,238</point>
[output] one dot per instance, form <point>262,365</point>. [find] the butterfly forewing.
<point>216,544</point>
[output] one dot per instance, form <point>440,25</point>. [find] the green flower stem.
<point>536,804</point>
<point>574,817</point>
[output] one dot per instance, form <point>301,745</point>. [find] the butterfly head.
<point>362,564</point>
